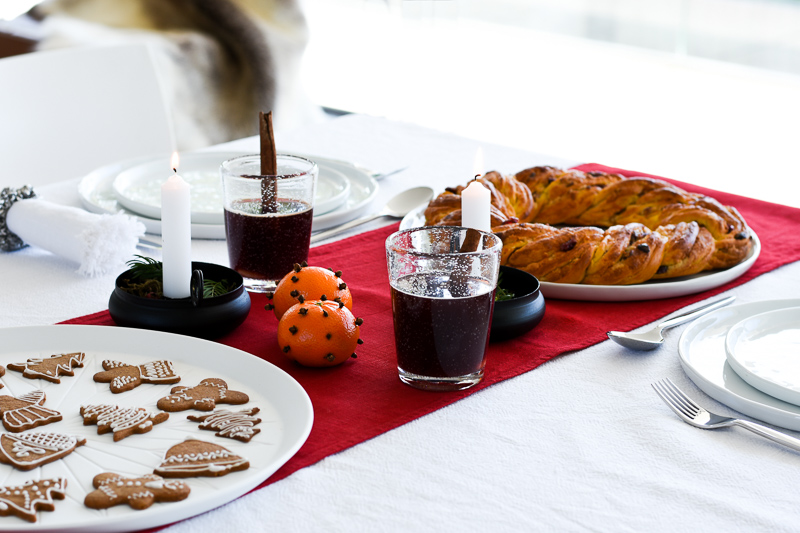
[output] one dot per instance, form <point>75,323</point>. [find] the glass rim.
<point>498,246</point>
<point>225,167</point>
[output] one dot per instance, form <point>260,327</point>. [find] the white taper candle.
<point>176,236</point>
<point>475,206</point>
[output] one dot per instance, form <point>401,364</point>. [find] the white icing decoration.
<point>231,424</point>
<point>69,360</point>
<point>30,414</point>
<point>215,460</point>
<point>118,418</point>
<point>29,505</point>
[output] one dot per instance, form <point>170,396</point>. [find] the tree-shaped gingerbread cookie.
<point>203,397</point>
<point>50,368</point>
<point>25,500</point>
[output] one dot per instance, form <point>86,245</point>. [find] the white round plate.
<point>333,188</point>
<point>286,415</point>
<point>97,196</point>
<point>363,189</point>
<point>650,290</point>
<point>702,355</point>
<point>139,188</point>
<point>764,350</point>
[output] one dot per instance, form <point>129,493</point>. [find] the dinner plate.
<point>139,188</point>
<point>702,355</point>
<point>285,411</point>
<point>97,196</point>
<point>363,189</point>
<point>764,350</point>
<point>649,290</point>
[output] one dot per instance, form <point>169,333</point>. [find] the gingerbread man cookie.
<point>139,492</point>
<point>25,500</point>
<point>2,373</point>
<point>26,451</point>
<point>123,421</point>
<point>50,369</point>
<point>203,397</point>
<point>233,425</point>
<point>195,458</point>
<point>124,377</point>
<point>26,412</point>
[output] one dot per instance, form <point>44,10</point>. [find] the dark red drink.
<point>265,246</point>
<point>437,335</point>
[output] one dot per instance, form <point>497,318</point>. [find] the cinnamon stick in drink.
<point>269,164</point>
<point>458,285</point>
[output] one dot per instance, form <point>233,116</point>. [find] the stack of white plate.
<point>343,192</point>
<point>748,357</point>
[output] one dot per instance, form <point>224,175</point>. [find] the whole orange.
<point>319,333</point>
<point>309,283</point>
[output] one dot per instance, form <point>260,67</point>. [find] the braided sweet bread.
<point>654,230</point>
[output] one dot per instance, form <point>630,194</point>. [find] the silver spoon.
<point>398,207</point>
<point>652,339</point>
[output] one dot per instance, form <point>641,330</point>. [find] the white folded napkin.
<point>98,243</point>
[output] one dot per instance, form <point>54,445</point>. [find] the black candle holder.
<point>512,318</point>
<point>207,318</point>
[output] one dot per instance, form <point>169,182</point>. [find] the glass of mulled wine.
<point>267,218</point>
<point>443,281</point>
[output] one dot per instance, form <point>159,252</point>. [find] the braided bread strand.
<point>654,229</point>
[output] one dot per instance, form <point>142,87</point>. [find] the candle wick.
<point>175,170</point>
<point>477,176</point>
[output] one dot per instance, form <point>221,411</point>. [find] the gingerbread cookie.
<point>233,425</point>
<point>26,451</point>
<point>123,421</point>
<point>203,397</point>
<point>124,377</point>
<point>139,492</point>
<point>26,412</point>
<point>2,373</point>
<point>25,500</point>
<point>51,368</point>
<point>195,458</point>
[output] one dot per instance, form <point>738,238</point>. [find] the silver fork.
<point>693,414</point>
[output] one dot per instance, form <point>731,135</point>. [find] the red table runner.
<point>363,397</point>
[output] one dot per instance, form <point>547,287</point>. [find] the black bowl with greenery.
<point>213,311</point>
<point>518,307</point>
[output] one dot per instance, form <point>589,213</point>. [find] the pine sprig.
<point>146,278</point>
<point>502,294</point>
<point>145,268</point>
<point>213,288</point>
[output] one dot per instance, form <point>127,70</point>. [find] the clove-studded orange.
<point>319,333</point>
<point>309,283</point>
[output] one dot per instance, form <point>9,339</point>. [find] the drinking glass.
<point>442,304</point>
<point>267,218</point>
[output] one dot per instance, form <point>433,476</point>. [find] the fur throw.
<point>219,62</point>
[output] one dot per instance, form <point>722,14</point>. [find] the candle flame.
<point>174,161</point>
<point>477,167</point>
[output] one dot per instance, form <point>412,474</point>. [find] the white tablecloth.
<point>580,443</point>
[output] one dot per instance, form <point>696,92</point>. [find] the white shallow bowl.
<point>764,350</point>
